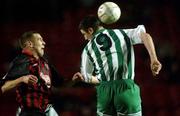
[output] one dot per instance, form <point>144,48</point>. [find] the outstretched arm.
<point>148,43</point>
<point>28,79</point>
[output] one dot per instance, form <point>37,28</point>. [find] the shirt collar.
<point>96,33</point>
<point>27,52</point>
<point>101,29</point>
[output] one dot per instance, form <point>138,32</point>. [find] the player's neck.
<point>100,28</point>
<point>35,54</point>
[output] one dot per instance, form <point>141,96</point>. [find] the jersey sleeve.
<point>86,66</point>
<point>18,68</point>
<point>134,34</point>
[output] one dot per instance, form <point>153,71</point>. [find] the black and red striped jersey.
<point>33,96</point>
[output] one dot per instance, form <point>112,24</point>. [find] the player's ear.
<point>29,44</point>
<point>90,30</point>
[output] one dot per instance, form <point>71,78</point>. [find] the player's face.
<point>38,44</point>
<point>87,34</point>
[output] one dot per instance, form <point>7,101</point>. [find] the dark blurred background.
<point>57,21</point>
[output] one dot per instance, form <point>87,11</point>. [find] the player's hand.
<point>29,79</point>
<point>155,67</point>
<point>78,77</point>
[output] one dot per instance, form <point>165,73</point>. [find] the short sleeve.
<point>134,34</point>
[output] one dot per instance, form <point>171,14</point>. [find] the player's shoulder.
<point>138,27</point>
<point>20,58</point>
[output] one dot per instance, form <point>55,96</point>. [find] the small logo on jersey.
<point>47,79</point>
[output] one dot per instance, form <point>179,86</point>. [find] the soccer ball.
<point>109,12</point>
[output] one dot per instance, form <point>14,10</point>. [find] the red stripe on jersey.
<point>40,101</point>
<point>19,98</point>
<point>28,100</point>
<point>46,101</point>
<point>36,101</point>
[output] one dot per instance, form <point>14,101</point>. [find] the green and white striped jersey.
<point>110,55</point>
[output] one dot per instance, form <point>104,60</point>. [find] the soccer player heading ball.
<point>108,61</point>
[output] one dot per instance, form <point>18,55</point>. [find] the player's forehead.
<point>37,36</point>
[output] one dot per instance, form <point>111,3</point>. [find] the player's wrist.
<point>153,58</point>
<point>90,80</point>
<point>22,79</point>
<point>94,80</point>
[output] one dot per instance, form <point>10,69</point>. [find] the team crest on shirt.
<point>45,75</point>
<point>46,78</point>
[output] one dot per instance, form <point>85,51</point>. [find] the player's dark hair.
<point>89,21</point>
<point>27,36</point>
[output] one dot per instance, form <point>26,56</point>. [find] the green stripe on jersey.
<point>105,42</point>
<point>129,62</point>
<point>99,60</point>
<point>119,53</point>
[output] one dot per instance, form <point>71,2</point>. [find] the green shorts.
<point>118,97</point>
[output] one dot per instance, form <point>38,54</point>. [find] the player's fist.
<point>29,79</point>
<point>155,67</point>
<point>78,77</point>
